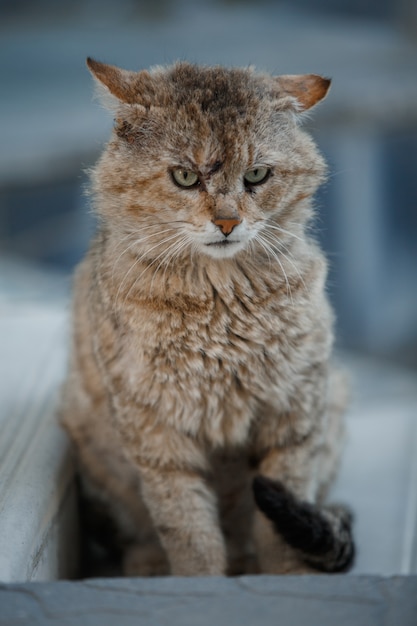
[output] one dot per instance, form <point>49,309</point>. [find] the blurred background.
<point>51,130</point>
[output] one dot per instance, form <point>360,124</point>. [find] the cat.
<point>204,410</point>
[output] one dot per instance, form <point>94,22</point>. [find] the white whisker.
<point>267,249</point>
<point>139,260</point>
<point>267,246</point>
<point>278,246</point>
<point>282,230</point>
<point>251,247</point>
<point>172,253</point>
<point>135,242</point>
<point>162,254</point>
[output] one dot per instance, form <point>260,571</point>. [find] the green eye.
<point>185,178</point>
<point>256,176</point>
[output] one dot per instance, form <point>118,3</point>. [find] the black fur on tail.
<point>323,535</point>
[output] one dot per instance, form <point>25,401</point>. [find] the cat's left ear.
<point>301,92</point>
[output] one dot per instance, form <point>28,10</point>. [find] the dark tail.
<point>323,535</point>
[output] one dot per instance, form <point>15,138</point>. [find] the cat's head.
<point>210,158</point>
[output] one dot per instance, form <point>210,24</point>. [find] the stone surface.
<point>262,600</point>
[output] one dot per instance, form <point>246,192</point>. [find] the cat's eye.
<point>185,178</point>
<point>256,176</point>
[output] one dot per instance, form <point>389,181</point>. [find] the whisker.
<point>267,249</point>
<point>266,243</point>
<point>149,266</point>
<point>277,245</point>
<point>135,242</point>
<point>182,245</point>
<point>172,252</point>
<point>296,224</point>
<point>251,247</point>
<point>137,239</point>
<point>282,230</point>
<point>138,260</point>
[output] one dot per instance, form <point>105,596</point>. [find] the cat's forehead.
<point>201,116</point>
<point>212,89</point>
<point>214,111</point>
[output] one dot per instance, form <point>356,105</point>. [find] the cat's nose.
<point>226,225</point>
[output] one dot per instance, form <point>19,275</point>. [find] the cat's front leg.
<point>182,505</point>
<point>184,511</point>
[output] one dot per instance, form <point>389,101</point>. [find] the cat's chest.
<point>205,364</point>
<point>206,368</point>
<point>228,330</point>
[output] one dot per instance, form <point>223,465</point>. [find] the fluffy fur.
<point>202,333</point>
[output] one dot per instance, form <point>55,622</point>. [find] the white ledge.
<point>38,526</point>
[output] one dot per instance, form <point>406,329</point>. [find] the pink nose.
<point>226,225</point>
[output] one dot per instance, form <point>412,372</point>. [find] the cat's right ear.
<point>122,84</point>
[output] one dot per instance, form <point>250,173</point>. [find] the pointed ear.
<point>121,83</point>
<point>306,89</point>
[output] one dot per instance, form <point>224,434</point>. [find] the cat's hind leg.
<point>294,530</point>
<point>321,535</point>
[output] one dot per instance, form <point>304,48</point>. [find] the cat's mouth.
<point>223,249</point>
<point>222,244</point>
